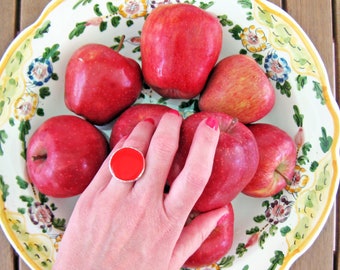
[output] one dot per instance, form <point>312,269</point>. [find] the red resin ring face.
<point>127,164</point>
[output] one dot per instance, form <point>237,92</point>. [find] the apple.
<point>235,160</point>
<point>238,87</point>
<point>217,244</point>
<point>64,154</point>
<point>277,152</point>
<point>132,116</point>
<point>100,83</point>
<point>180,44</point>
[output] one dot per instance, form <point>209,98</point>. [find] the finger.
<point>103,176</point>
<point>139,139</point>
<point>162,149</point>
<point>189,184</point>
<point>194,234</point>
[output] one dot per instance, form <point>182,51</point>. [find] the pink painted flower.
<point>279,210</point>
<point>41,214</point>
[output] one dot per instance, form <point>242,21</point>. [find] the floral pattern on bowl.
<point>276,229</point>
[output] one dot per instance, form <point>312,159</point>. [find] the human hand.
<point>135,225</point>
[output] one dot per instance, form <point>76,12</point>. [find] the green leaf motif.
<point>97,10</point>
<point>285,88</point>
<point>4,189</point>
<point>285,230</point>
<point>276,260</point>
<point>258,58</point>
<point>259,219</point>
<point>22,183</point>
<point>112,9</point>
<point>82,2</point>
<point>52,53</point>
<point>313,166</point>
<point>241,249</point>
<point>206,5</point>
<point>3,138</point>
<point>102,26</point>
<point>226,261</point>
<point>43,198</point>
<point>262,239</point>
<point>27,199</point>
<point>78,30</point>
<point>24,129</point>
<point>224,21</point>
<point>325,140</point>
<point>297,116</point>
<point>59,224</point>
<point>115,21</point>
<point>318,90</point>
<point>301,81</point>
<point>42,30</point>
<point>245,3</point>
<point>44,92</point>
<point>253,230</point>
<point>236,31</point>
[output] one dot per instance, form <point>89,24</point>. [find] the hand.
<point>135,225</point>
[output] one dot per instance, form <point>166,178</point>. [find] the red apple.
<point>277,161</point>
<point>235,161</point>
<point>100,83</point>
<point>238,87</point>
<point>64,154</point>
<point>180,44</point>
<point>132,116</point>
<point>217,244</point>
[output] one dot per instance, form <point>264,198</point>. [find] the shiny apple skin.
<point>238,87</point>
<point>180,44</point>
<point>64,154</point>
<point>100,83</point>
<point>277,162</point>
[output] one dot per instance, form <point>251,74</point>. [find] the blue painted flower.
<point>40,71</point>
<point>277,68</point>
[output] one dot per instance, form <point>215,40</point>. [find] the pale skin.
<point>119,225</point>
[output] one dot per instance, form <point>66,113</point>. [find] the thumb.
<point>194,234</point>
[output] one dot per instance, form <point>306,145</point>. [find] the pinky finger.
<point>194,234</point>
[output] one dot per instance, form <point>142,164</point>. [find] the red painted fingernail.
<point>175,112</point>
<point>150,120</point>
<point>212,122</point>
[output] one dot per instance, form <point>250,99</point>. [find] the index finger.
<point>190,183</point>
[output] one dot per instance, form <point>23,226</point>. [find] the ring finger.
<point>138,139</point>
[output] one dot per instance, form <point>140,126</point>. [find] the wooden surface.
<point>318,18</point>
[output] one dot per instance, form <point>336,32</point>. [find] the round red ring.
<point>127,164</point>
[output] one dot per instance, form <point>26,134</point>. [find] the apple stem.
<point>288,181</point>
<point>39,157</point>
<point>232,124</point>
<point>120,45</point>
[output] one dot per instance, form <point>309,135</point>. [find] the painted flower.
<point>299,180</point>
<point>26,106</point>
<point>41,214</point>
<point>156,3</point>
<point>277,68</point>
<point>253,39</point>
<point>210,267</point>
<point>40,71</point>
<point>279,210</point>
<point>133,9</point>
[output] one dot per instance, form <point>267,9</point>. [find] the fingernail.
<point>175,112</point>
<point>212,122</point>
<point>150,120</point>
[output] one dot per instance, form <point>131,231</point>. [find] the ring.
<point>127,164</point>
